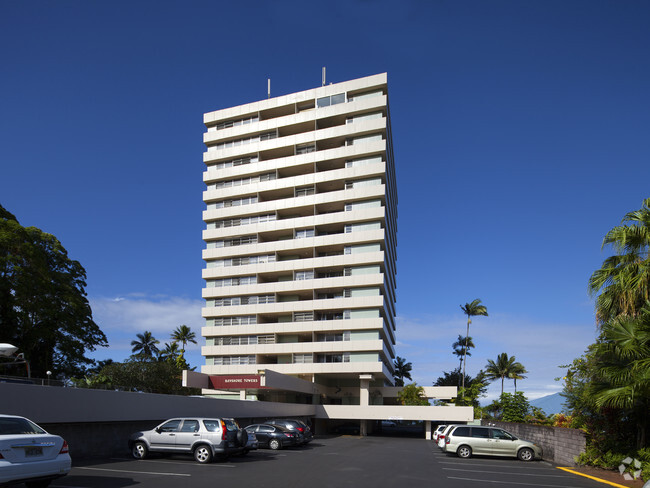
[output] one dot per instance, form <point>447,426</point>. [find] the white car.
<point>437,432</point>
<point>30,455</point>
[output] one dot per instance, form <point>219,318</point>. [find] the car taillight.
<point>224,432</point>
<point>447,440</point>
<point>64,448</point>
<point>288,435</point>
<point>301,429</point>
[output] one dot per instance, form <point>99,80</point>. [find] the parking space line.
<point>501,472</point>
<point>180,463</point>
<point>568,470</point>
<point>483,465</point>
<point>501,482</point>
<point>133,472</point>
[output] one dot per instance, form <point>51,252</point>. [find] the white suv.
<point>204,438</point>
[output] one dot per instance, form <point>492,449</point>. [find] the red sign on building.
<point>236,382</point>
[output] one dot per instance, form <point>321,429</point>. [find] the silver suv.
<point>465,440</point>
<point>204,438</point>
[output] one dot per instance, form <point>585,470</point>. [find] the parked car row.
<point>28,454</point>
<point>467,440</point>
<point>209,438</point>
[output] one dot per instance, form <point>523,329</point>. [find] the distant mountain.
<point>550,403</point>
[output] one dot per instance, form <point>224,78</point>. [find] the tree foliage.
<point>502,368</point>
<point>43,306</point>
<point>472,309</point>
<point>412,394</point>
<point>184,335</point>
<point>402,371</point>
<point>146,344</point>
<point>622,283</point>
<point>514,407</point>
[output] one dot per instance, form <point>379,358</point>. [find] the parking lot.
<point>326,462</point>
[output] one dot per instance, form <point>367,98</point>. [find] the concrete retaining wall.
<point>560,445</point>
<point>97,423</point>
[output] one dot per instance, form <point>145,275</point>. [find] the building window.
<point>303,358</point>
<point>304,275</point>
<point>333,357</point>
<point>233,360</point>
<point>236,320</point>
<point>304,233</point>
<point>306,148</point>
<point>331,100</point>
<point>233,123</point>
<point>235,162</point>
<point>303,316</point>
<point>304,191</point>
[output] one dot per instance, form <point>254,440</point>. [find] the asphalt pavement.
<point>327,462</point>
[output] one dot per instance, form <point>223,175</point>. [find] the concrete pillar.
<point>242,394</point>
<point>364,389</point>
<point>427,430</point>
<point>363,427</point>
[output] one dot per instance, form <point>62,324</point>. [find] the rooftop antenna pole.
<point>323,76</point>
<point>268,87</point>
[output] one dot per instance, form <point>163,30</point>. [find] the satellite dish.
<point>7,349</point>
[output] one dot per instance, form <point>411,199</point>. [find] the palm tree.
<point>170,352</point>
<point>622,378</point>
<point>501,368</point>
<point>183,334</point>
<point>471,310</point>
<point>146,345</point>
<point>517,373</point>
<point>623,281</point>
<point>402,370</point>
<point>460,351</point>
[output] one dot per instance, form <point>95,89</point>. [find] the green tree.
<point>501,368</point>
<point>475,388</point>
<point>461,349</point>
<point>184,335</point>
<point>171,352</point>
<point>517,372</point>
<point>471,309</point>
<point>623,281</point>
<point>43,306</point>
<point>514,407</point>
<point>412,394</point>
<point>146,374</point>
<point>622,374</point>
<point>145,345</point>
<point>402,370</point>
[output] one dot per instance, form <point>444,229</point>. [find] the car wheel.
<point>464,452</point>
<point>139,450</point>
<point>203,454</point>
<point>526,454</point>
<point>275,444</point>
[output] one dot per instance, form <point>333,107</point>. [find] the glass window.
<point>461,432</point>
<point>190,426</point>
<point>481,433</point>
<point>212,425</point>
<point>171,426</point>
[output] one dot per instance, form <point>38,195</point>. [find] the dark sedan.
<point>298,426</point>
<point>273,436</point>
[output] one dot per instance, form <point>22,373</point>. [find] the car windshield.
<point>13,426</point>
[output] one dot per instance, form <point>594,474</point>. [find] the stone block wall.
<point>560,445</point>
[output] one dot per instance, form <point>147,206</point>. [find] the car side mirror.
<point>158,429</point>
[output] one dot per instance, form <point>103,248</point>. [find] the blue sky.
<point>520,133</point>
